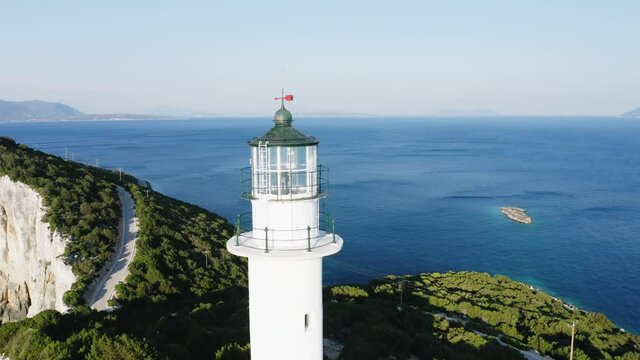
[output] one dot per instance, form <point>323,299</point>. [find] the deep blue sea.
<point>421,194</point>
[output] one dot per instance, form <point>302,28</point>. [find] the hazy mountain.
<point>332,113</point>
<point>167,110</point>
<point>35,109</point>
<point>474,112</point>
<point>632,113</point>
<point>42,110</point>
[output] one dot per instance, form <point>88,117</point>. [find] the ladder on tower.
<point>263,167</point>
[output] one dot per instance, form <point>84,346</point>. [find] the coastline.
<point>520,252</point>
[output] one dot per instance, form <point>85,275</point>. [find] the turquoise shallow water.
<point>413,194</point>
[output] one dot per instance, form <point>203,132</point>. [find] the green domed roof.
<point>283,134</point>
<point>283,117</point>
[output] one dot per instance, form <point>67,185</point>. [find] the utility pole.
<point>401,284</point>
<point>147,192</point>
<point>206,258</point>
<point>120,172</point>
<point>573,332</point>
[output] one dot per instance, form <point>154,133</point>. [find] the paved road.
<point>125,251</point>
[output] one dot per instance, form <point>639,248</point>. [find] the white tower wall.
<point>285,301</point>
<point>285,220</point>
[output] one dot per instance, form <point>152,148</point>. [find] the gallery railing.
<point>270,239</point>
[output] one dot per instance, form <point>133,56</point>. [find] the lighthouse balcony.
<point>251,244</point>
<point>321,240</point>
<point>288,183</point>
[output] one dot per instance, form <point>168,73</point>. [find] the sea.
<point>420,194</point>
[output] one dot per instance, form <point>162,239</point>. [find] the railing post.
<point>308,238</point>
<point>238,230</point>
<point>327,221</point>
<point>266,240</point>
<point>326,173</point>
<point>333,229</point>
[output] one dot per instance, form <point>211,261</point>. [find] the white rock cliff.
<point>33,276</point>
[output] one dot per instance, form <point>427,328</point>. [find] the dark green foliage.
<point>179,329</point>
<point>375,329</point>
<point>170,260</point>
<point>121,347</point>
<point>348,292</point>
<point>496,306</point>
<point>72,298</point>
<point>81,202</point>
<point>528,318</point>
<point>174,305</point>
<point>233,351</point>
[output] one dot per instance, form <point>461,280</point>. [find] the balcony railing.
<point>284,184</point>
<point>269,239</point>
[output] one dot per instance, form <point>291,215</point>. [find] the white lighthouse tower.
<point>285,240</point>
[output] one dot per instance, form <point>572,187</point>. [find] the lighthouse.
<point>285,237</point>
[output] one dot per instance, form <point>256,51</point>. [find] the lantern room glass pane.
<point>299,183</point>
<point>298,158</point>
<point>287,170</point>
<point>273,181</point>
<point>273,158</point>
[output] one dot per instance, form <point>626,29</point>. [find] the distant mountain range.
<point>42,110</point>
<point>632,113</point>
<point>462,113</point>
<point>35,109</point>
<point>332,113</point>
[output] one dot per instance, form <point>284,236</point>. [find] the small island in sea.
<point>516,214</point>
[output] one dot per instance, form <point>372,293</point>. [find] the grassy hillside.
<point>460,315</point>
<point>175,237</point>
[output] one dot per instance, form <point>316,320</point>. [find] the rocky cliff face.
<point>33,276</point>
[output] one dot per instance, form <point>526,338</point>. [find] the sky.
<point>538,57</point>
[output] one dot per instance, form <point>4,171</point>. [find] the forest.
<point>462,315</point>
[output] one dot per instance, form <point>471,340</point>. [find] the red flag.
<point>284,97</point>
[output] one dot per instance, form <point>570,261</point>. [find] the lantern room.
<point>284,164</point>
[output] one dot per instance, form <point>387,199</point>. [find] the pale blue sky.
<point>378,57</point>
